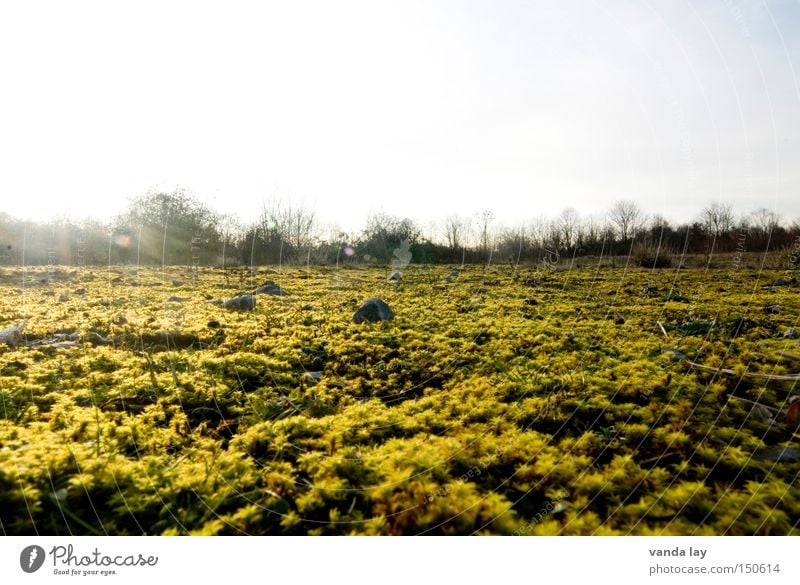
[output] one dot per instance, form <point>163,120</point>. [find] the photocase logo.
<point>31,558</point>
<point>402,255</point>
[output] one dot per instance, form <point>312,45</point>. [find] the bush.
<point>651,257</point>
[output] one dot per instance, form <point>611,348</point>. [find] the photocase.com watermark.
<point>794,257</point>
<point>547,508</point>
<point>31,558</point>
<point>447,490</point>
<point>67,562</point>
<point>402,256</point>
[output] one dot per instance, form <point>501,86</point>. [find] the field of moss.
<point>527,401</point>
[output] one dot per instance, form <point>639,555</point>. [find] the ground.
<point>508,400</point>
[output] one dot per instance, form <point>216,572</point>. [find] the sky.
<point>419,109</point>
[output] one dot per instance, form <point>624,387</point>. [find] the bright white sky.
<point>420,109</point>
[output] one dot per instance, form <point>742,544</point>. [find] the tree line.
<point>176,228</point>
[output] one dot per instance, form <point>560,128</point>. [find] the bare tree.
<point>627,217</point>
<point>484,220</point>
<point>300,221</point>
<point>658,228</point>
<point>292,223</point>
<point>659,222</point>
<point>765,221</point>
<point>455,228</point>
<point>590,234</point>
<point>537,231</point>
<point>231,232</point>
<point>554,238</point>
<point>717,219</point>
<point>568,224</point>
<point>512,244</point>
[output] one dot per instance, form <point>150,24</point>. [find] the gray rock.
<point>761,413</point>
<point>74,336</point>
<point>313,376</point>
<point>80,291</point>
<point>791,334</point>
<point>11,336</point>
<point>270,288</point>
<point>778,454</point>
<point>176,282</point>
<point>372,311</point>
<point>241,303</point>
<point>175,299</point>
<point>678,355</point>
<point>395,276</point>
<point>772,309</point>
<point>62,344</point>
<point>94,338</point>
<point>63,298</point>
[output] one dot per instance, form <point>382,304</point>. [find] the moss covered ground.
<point>506,401</point>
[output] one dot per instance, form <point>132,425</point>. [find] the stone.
<point>94,338</point>
<point>395,276</point>
<point>313,376</point>
<point>678,355</point>
<point>779,454</point>
<point>270,288</point>
<point>372,311</point>
<point>11,336</point>
<point>240,303</point>
<point>61,344</point>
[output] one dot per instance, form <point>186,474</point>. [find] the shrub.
<point>653,257</point>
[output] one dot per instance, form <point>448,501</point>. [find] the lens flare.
<point>122,240</point>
